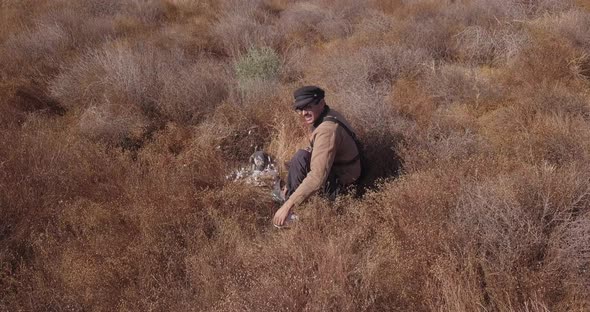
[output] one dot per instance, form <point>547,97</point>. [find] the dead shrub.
<point>509,222</point>
<point>582,4</point>
<point>415,9</point>
<point>477,31</point>
<point>238,33</point>
<point>84,278</point>
<point>457,282</point>
<point>387,6</point>
<point>314,258</point>
<point>505,235</point>
<point>441,145</point>
<point>429,31</point>
<point>479,45</point>
<point>147,11</point>
<point>558,139</point>
<point>545,125</point>
<point>53,168</point>
<point>58,150</point>
<point>373,26</point>
<point>308,23</point>
<point>482,103</point>
<point>567,261</point>
<point>510,43</point>
<point>412,209</point>
<point>190,93</point>
<point>481,31</point>
<point>245,25</point>
<point>452,84</point>
<point>114,122</point>
<point>540,7</point>
<point>359,82</point>
<point>294,65</point>
<point>11,12</point>
<point>142,87</point>
<point>556,99</point>
<point>489,13</point>
<point>157,210</point>
<point>88,23</point>
<point>570,25</point>
<point>33,50</point>
<point>180,162</point>
<point>547,59</point>
<point>409,99</point>
<point>53,33</point>
<point>34,99</point>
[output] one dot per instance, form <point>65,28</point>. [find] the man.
<point>332,160</point>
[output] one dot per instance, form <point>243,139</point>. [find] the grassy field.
<point>119,121</point>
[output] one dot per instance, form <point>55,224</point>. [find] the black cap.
<point>308,95</point>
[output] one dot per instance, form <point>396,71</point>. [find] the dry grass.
<point>133,90</point>
<point>120,119</point>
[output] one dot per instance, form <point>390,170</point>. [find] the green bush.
<point>257,64</point>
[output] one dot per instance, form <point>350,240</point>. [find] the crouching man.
<point>331,162</point>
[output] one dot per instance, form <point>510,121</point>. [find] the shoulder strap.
<point>336,120</point>
<point>351,134</point>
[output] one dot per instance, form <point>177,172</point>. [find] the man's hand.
<point>281,215</point>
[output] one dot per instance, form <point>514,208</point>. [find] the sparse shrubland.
<point>119,121</point>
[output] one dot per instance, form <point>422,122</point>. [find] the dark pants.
<point>299,167</point>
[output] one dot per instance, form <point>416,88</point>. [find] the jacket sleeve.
<point>322,158</point>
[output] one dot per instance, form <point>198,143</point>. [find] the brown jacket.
<point>331,146</point>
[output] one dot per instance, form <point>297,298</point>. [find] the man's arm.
<point>322,158</point>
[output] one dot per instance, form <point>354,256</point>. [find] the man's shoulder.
<point>326,126</point>
<point>336,118</point>
<point>335,113</point>
<point>331,122</point>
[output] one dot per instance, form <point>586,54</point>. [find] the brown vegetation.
<point>120,119</point>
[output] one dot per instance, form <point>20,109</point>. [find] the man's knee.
<point>300,160</point>
<point>299,166</point>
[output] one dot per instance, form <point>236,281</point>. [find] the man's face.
<point>310,113</point>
